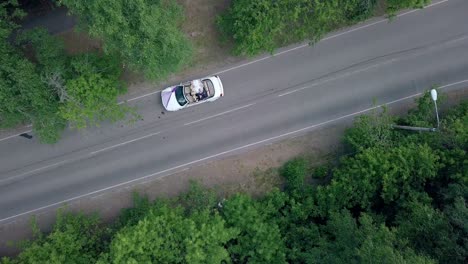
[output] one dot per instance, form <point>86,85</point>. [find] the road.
<point>267,99</point>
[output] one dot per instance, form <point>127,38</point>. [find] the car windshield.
<point>209,86</point>
<point>179,93</point>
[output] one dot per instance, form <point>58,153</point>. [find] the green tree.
<point>378,176</point>
<point>74,239</point>
<point>132,215</point>
<point>429,232</point>
<point>23,95</point>
<point>454,125</point>
<point>259,241</point>
<point>86,86</point>
<point>49,51</point>
<point>254,25</point>
<point>47,121</point>
<point>294,172</point>
<point>457,215</point>
<point>373,130</point>
<point>145,34</point>
<point>294,214</point>
<point>345,240</point>
<point>21,89</point>
<point>198,198</point>
<point>165,235</point>
<point>91,99</point>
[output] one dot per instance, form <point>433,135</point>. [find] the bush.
<point>198,198</point>
<point>372,130</point>
<point>393,6</point>
<point>321,172</point>
<point>75,238</point>
<point>294,172</point>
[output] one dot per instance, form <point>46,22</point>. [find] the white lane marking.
<point>328,38</point>
<point>156,133</point>
<point>417,9</point>
<point>32,171</point>
<point>261,59</point>
<point>242,65</point>
<point>141,96</point>
<point>122,144</point>
<point>15,135</point>
<point>289,50</point>
<point>282,52</point>
<point>67,160</point>
<point>382,20</point>
<point>221,153</point>
<point>125,143</point>
<point>354,29</point>
<point>223,113</point>
<point>347,74</point>
<point>452,84</point>
<point>164,176</point>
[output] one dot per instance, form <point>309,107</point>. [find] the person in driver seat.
<point>202,95</point>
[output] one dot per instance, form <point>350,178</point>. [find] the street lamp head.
<point>434,94</point>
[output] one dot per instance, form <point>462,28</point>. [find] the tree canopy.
<point>145,34</point>
<point>166,235</point>
<point>24,97</point>
<point>51,89</point>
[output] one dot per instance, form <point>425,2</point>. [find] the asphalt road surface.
<point>270,98</point>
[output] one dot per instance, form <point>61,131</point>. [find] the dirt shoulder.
<point>254,172</point>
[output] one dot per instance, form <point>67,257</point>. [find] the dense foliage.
<point>145,34</point>
<point>400,197</point>
<point>74,239</point>
<point>166,235</point>
<point>51,89</point>
<point>24,97</point>
<point>262,25</point>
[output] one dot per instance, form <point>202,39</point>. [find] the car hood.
<point>168,99</point>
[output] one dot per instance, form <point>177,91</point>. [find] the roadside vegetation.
<point>43,85</point>
<point>400,197</point>
<point>264,25</point>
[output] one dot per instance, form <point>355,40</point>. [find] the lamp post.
<point>427,129</point>
<point>434,98</point>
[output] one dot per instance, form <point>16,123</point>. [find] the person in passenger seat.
<point>196,87</point>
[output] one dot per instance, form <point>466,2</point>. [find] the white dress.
<point>197,86</point>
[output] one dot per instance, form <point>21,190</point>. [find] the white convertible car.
<point>192,93</point>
